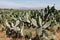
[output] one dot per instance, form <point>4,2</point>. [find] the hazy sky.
<point>28,3</point>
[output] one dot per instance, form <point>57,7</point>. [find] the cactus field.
<point>43,24</point>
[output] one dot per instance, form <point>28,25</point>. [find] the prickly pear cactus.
<point>31,23</point>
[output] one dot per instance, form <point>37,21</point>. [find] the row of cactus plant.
<point>31,23</point>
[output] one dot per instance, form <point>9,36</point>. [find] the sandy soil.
<point>3,36</point>
<point>58,35</point>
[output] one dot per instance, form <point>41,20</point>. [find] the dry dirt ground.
<point>58,35</point>
<point>4,37</point>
